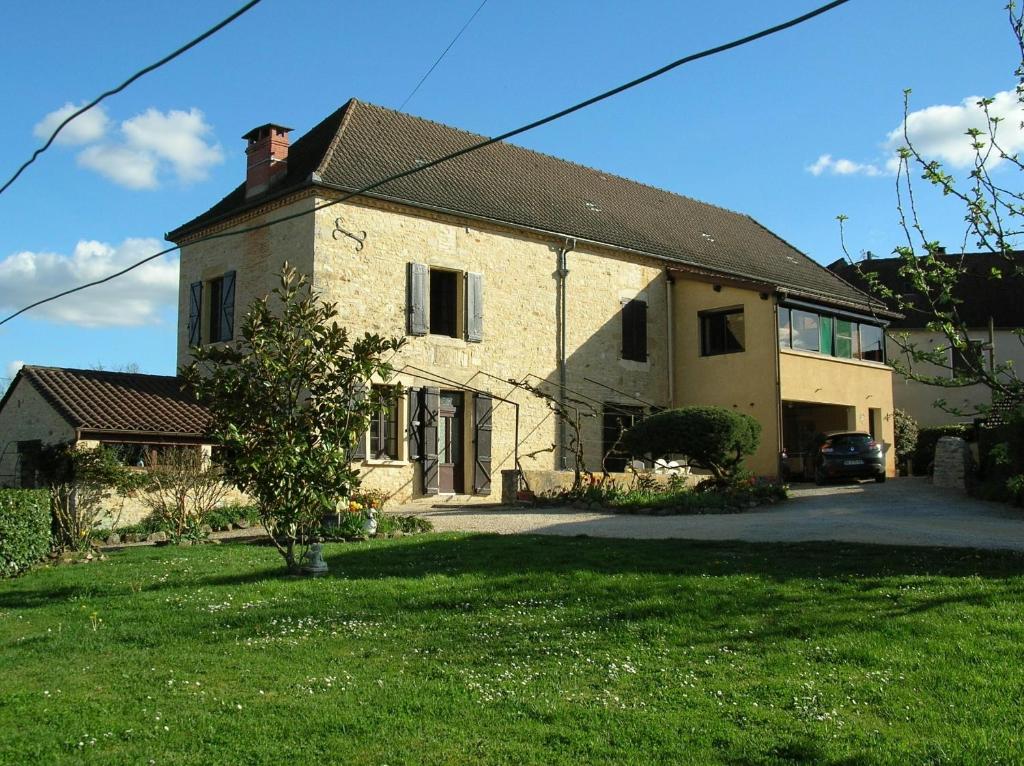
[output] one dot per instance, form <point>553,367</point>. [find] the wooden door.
<point>450,443</point>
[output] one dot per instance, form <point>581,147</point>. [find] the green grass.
<point>442,649</point>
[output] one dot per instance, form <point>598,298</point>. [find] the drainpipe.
<point>779,422</point>
<point>670,320</point>
<point>563,274</point>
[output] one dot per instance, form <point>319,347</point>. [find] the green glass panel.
<point>826,335</point>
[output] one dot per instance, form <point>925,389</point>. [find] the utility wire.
<point>437,61</point>
<point>166,59</point>
<point>475,147</point>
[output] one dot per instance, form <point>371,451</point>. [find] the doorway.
<point>450,438</point>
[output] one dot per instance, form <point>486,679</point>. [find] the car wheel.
<point>879,479</point>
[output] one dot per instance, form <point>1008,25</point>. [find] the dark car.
<point>848,455</point>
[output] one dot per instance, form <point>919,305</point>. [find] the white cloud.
<point>145,149</point>
<point>135,299</point>
<point>134,168</point>
<point>86,128</point>
<point>841,167</point>
<point>939,133</point>
<point>176,137</point>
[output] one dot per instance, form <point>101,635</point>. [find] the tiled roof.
<point>95,400</point>
<point>362,143</point>
<point>982,296</point>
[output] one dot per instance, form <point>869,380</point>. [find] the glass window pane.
<point>784,339</point>
<point>826,335</point>
<point>844,338</point>
<point>805,330</point>
<point>871,343</point>
<point>734,332</point>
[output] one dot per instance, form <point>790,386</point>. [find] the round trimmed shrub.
<point>713,438</point>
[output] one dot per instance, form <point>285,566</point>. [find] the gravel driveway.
<point>899,512</point>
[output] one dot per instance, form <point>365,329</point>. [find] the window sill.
<point>840,359</point>
<point>386,463</point>
<point>632,364</point>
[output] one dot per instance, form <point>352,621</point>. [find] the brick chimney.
<point>268,157</point>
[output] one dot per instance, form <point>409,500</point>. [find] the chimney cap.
<point>264,130</point>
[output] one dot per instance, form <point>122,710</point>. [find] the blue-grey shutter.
<point>474,307</point>
<point>359,393</point>
<point>415,432</point>
<point>483,407</point>
<point>431,407</point>
<point>195,312</point>
<point>227,306</point>
<point>418,294</point>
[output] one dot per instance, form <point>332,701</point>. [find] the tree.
<point>183,489</point>
<point>713,438</point>
<point>289,399</point>
<point>993,205</point>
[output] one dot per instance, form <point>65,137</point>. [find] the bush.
<point>906,433</point>
<point>927,438</point>
<point>24,529</point>
<point>713,438</point>
<point>219,518</point>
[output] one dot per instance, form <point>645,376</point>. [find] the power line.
<point>475,147</point>
<point>437,61</point>
<point>166,59</point>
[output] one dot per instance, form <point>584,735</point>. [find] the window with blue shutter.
<point>195,313</point>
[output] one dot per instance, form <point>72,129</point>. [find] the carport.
<point>801,421</point>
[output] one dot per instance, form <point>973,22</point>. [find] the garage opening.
<point>801,422</point>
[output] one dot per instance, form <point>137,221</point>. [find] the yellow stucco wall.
<point>743,381</point>
<point>861,386</point>
<point>919,399</point>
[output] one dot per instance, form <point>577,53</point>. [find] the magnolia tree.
<point>289,399</point>
<point>992,200</point>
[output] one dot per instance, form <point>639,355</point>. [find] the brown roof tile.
<point>362,143</point>
<point>96,400</point>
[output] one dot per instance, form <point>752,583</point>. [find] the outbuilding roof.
<point>361,143</point>
<point>102,401</point>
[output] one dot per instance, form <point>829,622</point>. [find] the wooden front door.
<point>450,443</point>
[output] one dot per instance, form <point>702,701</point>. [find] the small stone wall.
<point>547,482</point>
<point>952,463</point>
<point>122,511</point>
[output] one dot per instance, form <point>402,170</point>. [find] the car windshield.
<point>850,440</point>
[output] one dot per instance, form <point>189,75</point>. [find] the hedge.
<point>24,529</point>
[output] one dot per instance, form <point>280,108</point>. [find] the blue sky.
<point>792,130</point>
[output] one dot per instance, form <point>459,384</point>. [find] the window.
<point>721,332</point>
<point>967,363</point>
<point>444,303</point>
<point>831,335</point>
<point>871,344</point>
<point>617,418</point>
<point>634,330</point>
<point>806,335</point>
<point>212,320</point>
<point>785,336</point>
<point>384,426</point>
<point>216,290</point>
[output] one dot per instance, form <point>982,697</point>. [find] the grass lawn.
<point>447,649</point>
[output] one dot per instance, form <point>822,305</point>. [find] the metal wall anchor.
<point>339,229</point>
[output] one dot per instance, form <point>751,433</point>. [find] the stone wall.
<point>952,463</point>
<point>542,483</point>
<point>27,416</point>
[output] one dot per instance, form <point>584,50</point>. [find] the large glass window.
<point>384,427</point>
<point>846,332</point>
<point>806,335</point>
<point>722,332</point>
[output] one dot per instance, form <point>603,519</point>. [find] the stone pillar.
<point>952,463</point>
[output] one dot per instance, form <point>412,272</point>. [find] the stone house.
<point>993,313</point>
<point>137,415</point>
<point>506,265</point>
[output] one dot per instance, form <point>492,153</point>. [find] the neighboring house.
<point>137,415</point>
<point>992,309</point>
<point>508,264</point>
